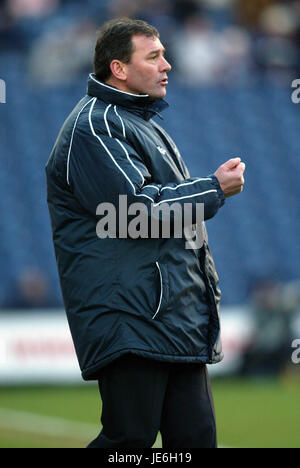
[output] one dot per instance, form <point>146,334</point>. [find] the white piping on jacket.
<point>111,156</point>
<point>185,196</point>
<point>187,183</point>
<point>105,120</point>
<point>161,291</point>
<point>116,89</point>
<point>143,180</point>
<point>71,141</point>
<point>123,126</point>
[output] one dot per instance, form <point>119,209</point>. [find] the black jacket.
<point>152,297</point>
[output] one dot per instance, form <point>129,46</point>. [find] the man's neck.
<point>121,85</point>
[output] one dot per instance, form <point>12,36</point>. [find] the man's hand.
<point>230,177</point>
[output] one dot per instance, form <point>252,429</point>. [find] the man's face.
<point>147,71</point>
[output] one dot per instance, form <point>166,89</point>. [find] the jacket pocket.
<point>163,280</point>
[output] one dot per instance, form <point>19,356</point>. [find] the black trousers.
<point>141,396</point>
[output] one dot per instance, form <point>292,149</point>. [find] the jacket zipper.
<point>161,291</point>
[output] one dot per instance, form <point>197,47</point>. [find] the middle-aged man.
<point>143,312</point>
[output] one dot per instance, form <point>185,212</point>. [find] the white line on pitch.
<point>47,425</point>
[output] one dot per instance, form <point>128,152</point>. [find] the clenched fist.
<point>231,177</point>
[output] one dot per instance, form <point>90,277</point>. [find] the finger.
<point>240,169</point>
<point>232,163</point>
<point>242,166</point>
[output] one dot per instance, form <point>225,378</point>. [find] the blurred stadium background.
<point>230,91</point>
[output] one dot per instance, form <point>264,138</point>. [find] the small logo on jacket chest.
<point>161,150</point>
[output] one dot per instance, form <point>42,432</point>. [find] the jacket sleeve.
<point>102,168</point>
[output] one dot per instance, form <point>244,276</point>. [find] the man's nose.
<point>165,66</point>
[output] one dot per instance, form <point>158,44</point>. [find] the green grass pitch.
<point>262,413</point>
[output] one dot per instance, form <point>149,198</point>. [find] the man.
<point>143,312</point>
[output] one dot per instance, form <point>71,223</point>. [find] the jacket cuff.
<point>216,183</point>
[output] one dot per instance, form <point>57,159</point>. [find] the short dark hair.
<point>114,42</point>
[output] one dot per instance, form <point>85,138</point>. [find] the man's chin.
<point>158,94</point>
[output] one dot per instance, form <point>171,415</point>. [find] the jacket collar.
<point>141,104</point>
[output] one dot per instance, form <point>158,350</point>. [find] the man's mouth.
<point>164,81</point>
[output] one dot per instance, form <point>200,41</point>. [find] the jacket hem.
<point>91,373</point>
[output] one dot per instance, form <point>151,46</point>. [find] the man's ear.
<point>118,70</point>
